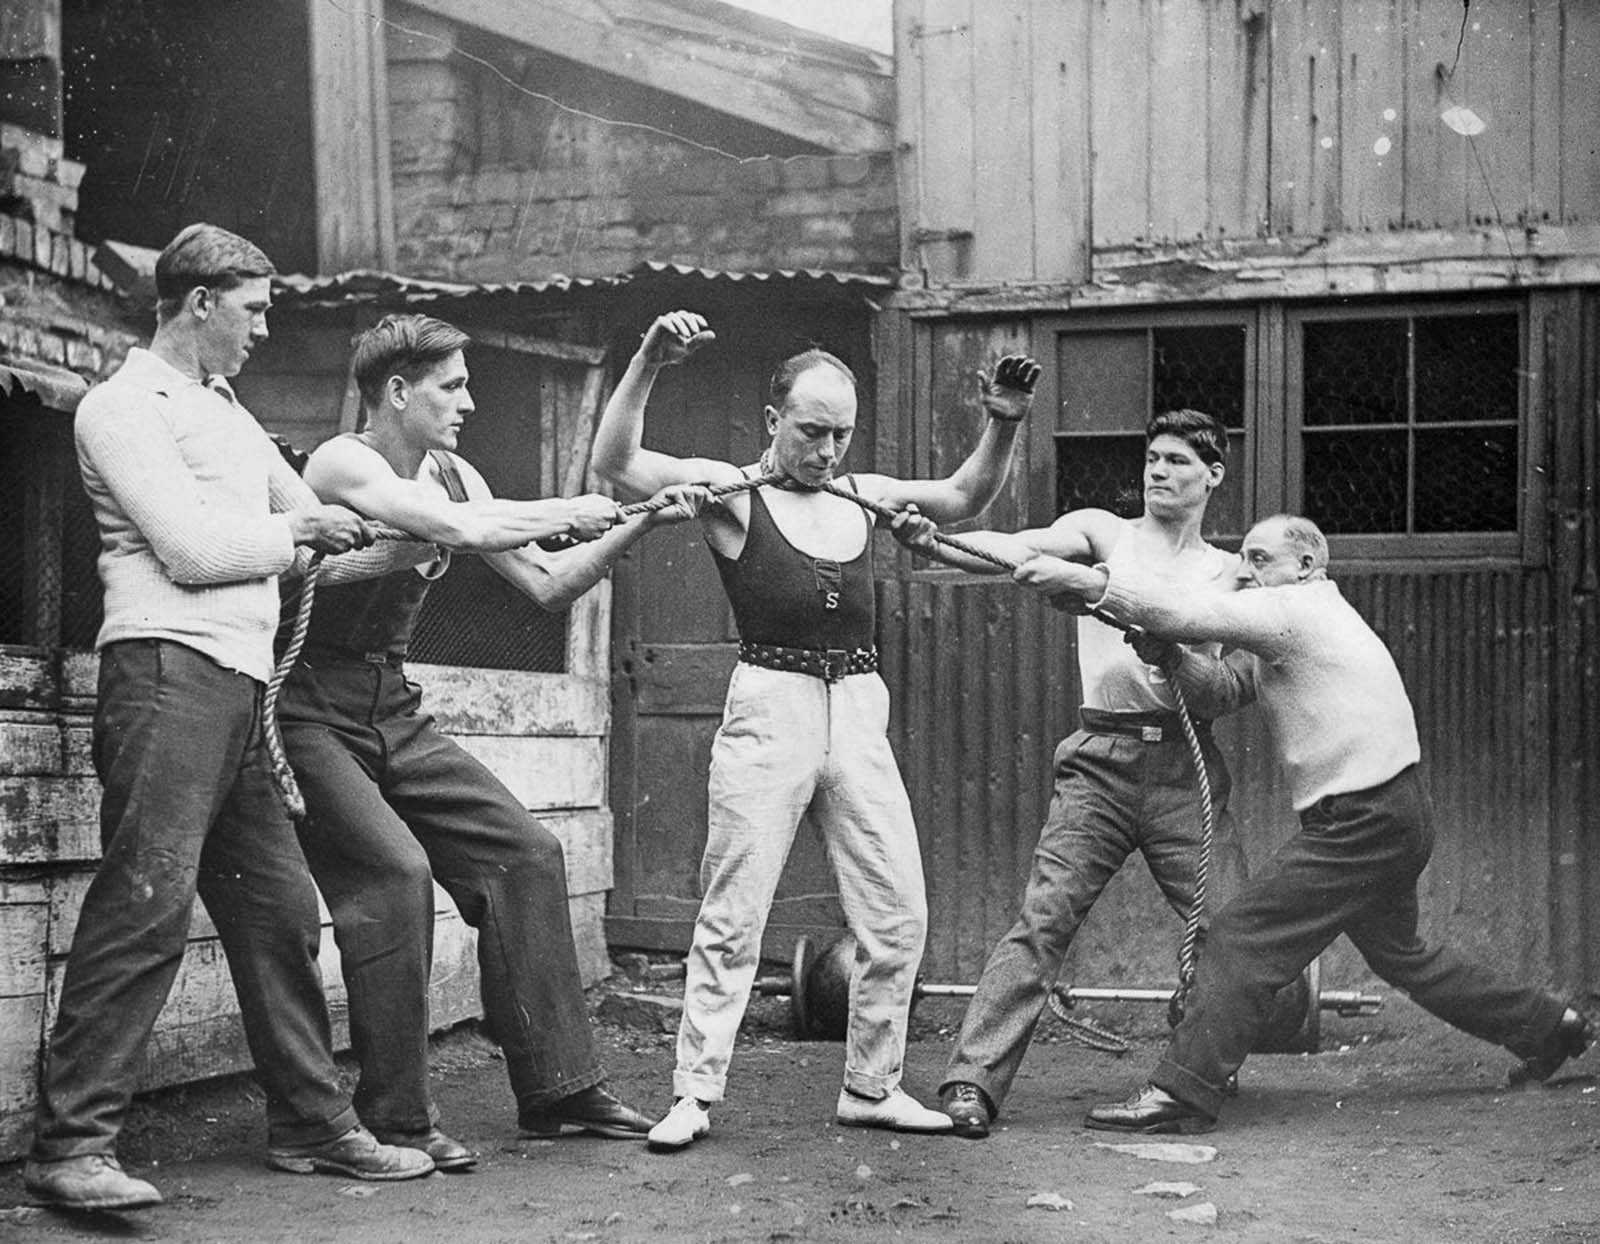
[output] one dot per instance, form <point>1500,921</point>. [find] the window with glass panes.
<point>1409,424</point>
<point>1111,378</point>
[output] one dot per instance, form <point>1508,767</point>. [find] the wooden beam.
<point>542,347</point>
<point>350,136</point>
<point>835,109</point>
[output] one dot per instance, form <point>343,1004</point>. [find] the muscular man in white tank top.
<point>1124,782</point>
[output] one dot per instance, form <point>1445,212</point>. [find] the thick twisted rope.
<point>282,772</point>
<point>1189,947</point>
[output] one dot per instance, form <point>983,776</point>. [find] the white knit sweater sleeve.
<point>1261,621</point>
<point>128,447</point>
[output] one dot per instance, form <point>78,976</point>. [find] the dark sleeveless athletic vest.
<point>784,597</point>
<point>376,616</point>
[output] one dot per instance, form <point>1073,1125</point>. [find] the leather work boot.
<point>1150,1111</point>
<point>357,1154</point>
<point>447,1153</point>
<point>968,1109</point>
<point>595,1110</point>
<point>1572,1035</point>
<point>94,1181</point>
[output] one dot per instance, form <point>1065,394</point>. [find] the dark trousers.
<point>393,805</point>
<point>188,806</point>
<point>1351,869</point>
<point>1114,795</point>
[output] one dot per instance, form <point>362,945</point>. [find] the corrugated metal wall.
<point>986,684</point>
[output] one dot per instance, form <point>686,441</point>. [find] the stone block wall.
<point>54,302</point>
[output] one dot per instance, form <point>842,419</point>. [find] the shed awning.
<point>55,387</point>
<point>132,268</point>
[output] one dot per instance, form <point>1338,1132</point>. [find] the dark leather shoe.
<point>593,1110</point>
<point>1150,1111</point>
<point>968,1109</point>
<point>447,1153</point>
<point>1572,1036</point>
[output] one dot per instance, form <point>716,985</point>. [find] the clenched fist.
<point>673,337</point>
<point>1007,391</point>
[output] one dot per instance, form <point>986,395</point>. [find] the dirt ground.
<point>1401,1130</point>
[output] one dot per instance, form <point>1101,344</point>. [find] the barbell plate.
<point>798,971</point>
<point>1312,1031</point>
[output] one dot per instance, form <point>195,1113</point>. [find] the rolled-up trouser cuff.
<point>1188,1088</point>
<point>532,1102</point>
<point>280,1135</point>
<point>874,1087</point>
<point>701,1087</point>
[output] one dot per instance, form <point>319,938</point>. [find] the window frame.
<point>1261,443</point>
<point>1520,546</point>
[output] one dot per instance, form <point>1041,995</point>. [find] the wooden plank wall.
<point>1029,127</point>
<point>673,633</point>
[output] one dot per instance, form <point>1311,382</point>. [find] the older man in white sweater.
<point>1344,731</point>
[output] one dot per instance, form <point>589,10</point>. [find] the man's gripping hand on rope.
<point>682,502</point>
<point>673,337</point>
<point>330,529</point>
<point>1165,655</point>
<point>914,529</point>
<point>1069,586</point>
<point>1007,391</point>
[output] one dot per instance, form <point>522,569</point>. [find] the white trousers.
<point>790,744</point>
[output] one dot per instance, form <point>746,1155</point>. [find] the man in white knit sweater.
<point>198,515</point>
<point>1344,731</point>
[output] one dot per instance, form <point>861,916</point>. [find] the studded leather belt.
<point>830,664</point>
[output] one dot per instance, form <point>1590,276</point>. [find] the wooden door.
<point>674,641</point>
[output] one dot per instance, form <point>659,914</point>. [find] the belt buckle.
<point>835,664</point>
<point>375,658</point>
<point>1150,734</point>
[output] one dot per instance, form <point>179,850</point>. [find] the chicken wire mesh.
<point>1194,367</point>
<point>49,587</point>
<point>1410,424</point>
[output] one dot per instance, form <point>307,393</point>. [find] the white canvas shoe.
<point>686,1122</point>
<point>898,1112</point>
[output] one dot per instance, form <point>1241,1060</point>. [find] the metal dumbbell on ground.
<point>818,988</point>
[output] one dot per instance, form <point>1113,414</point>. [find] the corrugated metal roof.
<point>368,285</point>
<point>55,387</point>
<point>783,274</point>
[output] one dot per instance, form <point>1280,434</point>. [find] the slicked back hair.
<point>1304,536</point>
<point>1203,433</point>
<point>208,255</point>
<point>401,345</point>
<point>795,366</point>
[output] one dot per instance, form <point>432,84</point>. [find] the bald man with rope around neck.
<point>804,727</point>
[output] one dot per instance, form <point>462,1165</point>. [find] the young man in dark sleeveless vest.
<point>394,805</point>
<point>804,727</point>
<point>1124,782</point>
